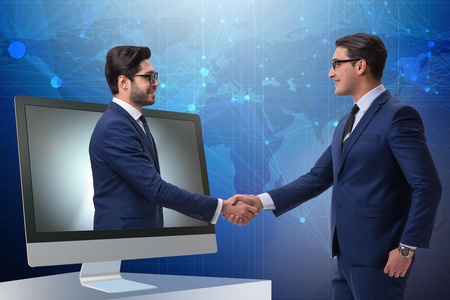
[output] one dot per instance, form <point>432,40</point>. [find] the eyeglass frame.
<point>152,77</point>
<point>337,61</point>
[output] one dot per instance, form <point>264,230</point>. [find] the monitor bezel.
<point>32,236</point>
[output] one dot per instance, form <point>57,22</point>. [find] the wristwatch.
<point>405,252</point>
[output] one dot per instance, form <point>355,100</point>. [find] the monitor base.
<point>105,277</point>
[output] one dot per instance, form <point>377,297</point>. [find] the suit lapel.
<point>148,141</point>
<point>361,126</point>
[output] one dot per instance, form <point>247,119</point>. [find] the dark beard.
<point>139,97</point>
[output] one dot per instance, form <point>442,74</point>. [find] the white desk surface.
<point>67,287</point>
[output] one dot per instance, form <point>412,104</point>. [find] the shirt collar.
<point>130,109</point>
<point>366,100</point>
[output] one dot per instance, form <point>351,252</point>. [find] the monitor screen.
<point>57,187</point>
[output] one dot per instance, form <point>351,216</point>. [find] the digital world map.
<point>257,74</point>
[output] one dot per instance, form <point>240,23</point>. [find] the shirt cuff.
<point>267,201</point>
<point>218,210</point>
<point>410,247</point>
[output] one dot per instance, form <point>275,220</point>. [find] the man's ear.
<point>123,82</point>
<point>362,66</point>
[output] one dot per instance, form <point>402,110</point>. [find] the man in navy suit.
<point>128,189</point>
<point>386,189</point>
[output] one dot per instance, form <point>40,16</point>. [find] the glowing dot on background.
<point>266,142</point>
<point>191,107</point>
<point>203,57</point>
<point>247,98</point>
<point>162,85</point>
<point>302,220</point>
<point>56,82</point>
<point>17,49</point>
<point>204,71</point>
<point>335,123</point>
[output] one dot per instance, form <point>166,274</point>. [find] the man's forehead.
<point>340,53</point>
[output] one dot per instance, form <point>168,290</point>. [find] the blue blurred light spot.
<point>308,85</point>
<point>335,123</point>
<point>81,35</point>
<point>413,77</point>
<point>203,84</point>
<point>261,66</point>
<point>408,31</point>
<point>266,142</point>
<point>302,19</point>
<point>202,19</point>
<point>247,98</point>
<point>17,49</point>
<point>427,89</point>
<point>162,85</point>
<point>56,82</point>
<point>302,220</point>
<point>431,44</point>
<point>204,72</point>
<point>191,107</point>
<point>222,21</point>
<point>203,57</point>
<point>316,123</point>
<point>324,41</point>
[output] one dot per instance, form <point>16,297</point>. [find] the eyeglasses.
<point>152,77</point>
<point>337,61</point>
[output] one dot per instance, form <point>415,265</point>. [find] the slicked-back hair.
<point>124,60</point>
<point>368,47</point>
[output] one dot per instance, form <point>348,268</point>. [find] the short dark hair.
<point>124,60</point>
<point>368,47</point>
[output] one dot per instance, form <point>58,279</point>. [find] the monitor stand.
<point>105,277</point>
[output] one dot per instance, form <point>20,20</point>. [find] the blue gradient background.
<point>256,73</point>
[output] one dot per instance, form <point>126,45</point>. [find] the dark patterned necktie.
<point>349,124</point>
<point>151,140</point>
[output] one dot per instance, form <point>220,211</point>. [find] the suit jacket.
<point>128,189</point>
<point>386,189</point>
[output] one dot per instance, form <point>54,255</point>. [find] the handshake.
<point>241,209</point>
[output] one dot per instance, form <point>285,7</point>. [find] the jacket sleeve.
<point>306,187</point>
<point>408,145</point>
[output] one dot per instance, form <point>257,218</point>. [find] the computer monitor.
<point>57,191</point>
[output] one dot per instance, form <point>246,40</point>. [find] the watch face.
<point>404,252</point>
